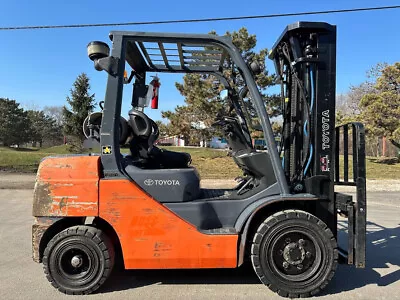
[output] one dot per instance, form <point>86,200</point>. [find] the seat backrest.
<point>141,124</point>
<point>145,133</point>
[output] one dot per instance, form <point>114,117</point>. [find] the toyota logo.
<point>149,182</point>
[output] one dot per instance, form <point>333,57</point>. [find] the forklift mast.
<point>305,61</point>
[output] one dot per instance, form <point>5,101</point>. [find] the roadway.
<point>21,278</point>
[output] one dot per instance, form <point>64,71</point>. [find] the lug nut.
<point>308,254</point>
<point>287,240</point>
<point>299,266</point>
<point>285,264</point>
<point>302,242</point>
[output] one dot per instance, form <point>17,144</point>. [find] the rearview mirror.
<point>97,50</point>
<point>223,94</point>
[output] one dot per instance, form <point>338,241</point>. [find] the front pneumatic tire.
<point>294,253</point>
<point>78,260</point>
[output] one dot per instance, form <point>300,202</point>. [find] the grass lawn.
<point>26,159</point>
<point>211,164</point>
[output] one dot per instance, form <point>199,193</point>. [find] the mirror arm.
<point>108,64</point>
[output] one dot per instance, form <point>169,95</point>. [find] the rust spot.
<point>147,210</point>
<point>46,221</point>
<point>38,230</point>
<point>41,199</point>
<point>63,166</point>
<point>37,234</point>
<point>161,247</point>
<point>63,202</point>
<point>209,246</point>
<point>114,215</point>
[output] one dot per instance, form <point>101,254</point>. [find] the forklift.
<point>147,210</point>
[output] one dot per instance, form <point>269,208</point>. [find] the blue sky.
<point>39,67</point>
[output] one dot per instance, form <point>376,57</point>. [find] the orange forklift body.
<point>151,236</point>
<point>67,186</point>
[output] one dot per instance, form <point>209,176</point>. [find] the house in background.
<point>171,141</point>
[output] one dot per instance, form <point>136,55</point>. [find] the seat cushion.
<point>169,159</point>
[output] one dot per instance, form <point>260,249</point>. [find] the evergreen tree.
<point>202,102</point>
<point>81,104</point>
<point>380,109</point>
<point>43,128</point>
<point>15,125</point>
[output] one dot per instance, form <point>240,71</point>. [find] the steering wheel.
<point>92,126</point>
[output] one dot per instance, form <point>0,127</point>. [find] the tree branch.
<point>394,143</point>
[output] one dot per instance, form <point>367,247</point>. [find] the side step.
<point>223,230</point>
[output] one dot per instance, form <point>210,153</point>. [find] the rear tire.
<point>294,253</point>
<point>78,260</point>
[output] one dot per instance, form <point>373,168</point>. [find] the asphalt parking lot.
<point>21,278</point>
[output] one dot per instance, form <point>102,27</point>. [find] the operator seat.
<point>143,151</point>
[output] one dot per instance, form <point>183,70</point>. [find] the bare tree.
<point>348,104</point>
<point>55,112</point>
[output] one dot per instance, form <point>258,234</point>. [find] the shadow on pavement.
<point>383,249</point>
<point>128,279</point>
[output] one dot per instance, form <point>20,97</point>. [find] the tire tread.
<point>256,244</point>
<point>95,234</point>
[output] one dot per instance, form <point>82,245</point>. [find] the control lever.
<point>245,185</point>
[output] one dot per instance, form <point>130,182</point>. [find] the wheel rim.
<point>76,263</point>
<point>294,254</point>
